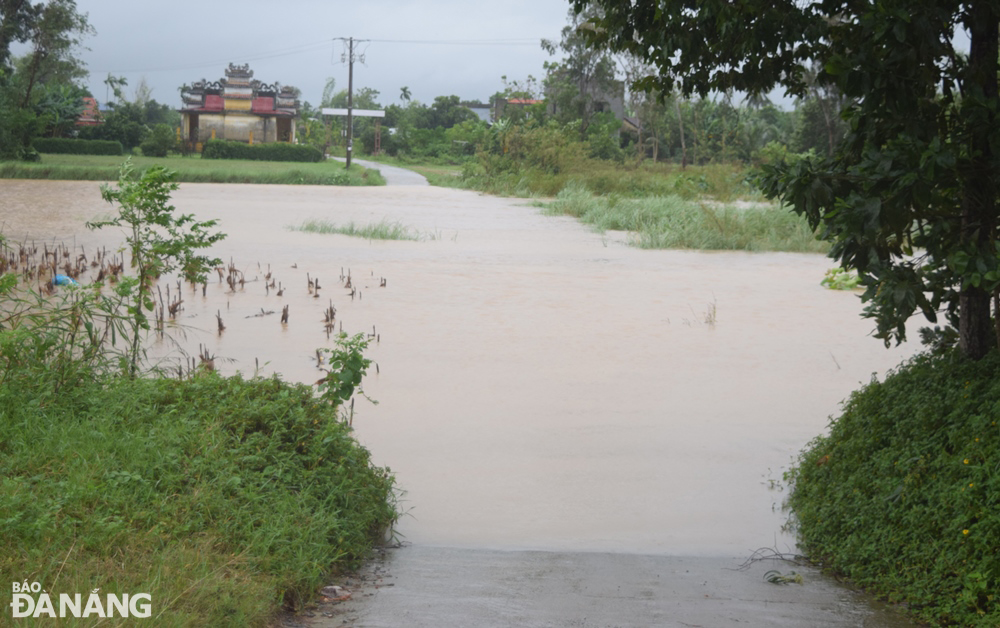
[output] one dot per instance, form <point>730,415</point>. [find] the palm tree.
<point>404,93</point>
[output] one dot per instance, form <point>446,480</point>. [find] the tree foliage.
<point>909,197</point>
<point>39,92</point>
<point>578,86</point>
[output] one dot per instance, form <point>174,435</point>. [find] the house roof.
<point>91,115</point>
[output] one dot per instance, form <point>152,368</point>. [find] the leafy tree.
<point>160,113</point>
<point>909,199</point>
<point>159,242</point>
<point>125,123</point>
<point>819,126</point>
<point>35,88</point>
<point>815,130</point>
<point>54,35</point>
<point>59,106</point>
<point>17,18</point>
<point>577,86</point>
<point>329,92</point>
<point>446,112</point>
<point>117,84</point>
<point>18,127</point>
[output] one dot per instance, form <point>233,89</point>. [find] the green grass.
<point>221,497</point>
<point>662,222</point>
<point>903,495</point>
<point>192,169</point>
<point>633,179</point>
<point>382,230</point>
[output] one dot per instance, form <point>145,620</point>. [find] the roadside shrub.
<point>223,149</point>
<point>903,494</point>
<point>68,146</point>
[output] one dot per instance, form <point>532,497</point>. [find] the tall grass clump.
<point>662,222</point>
<point>903,495</point>
<point>382,230</point>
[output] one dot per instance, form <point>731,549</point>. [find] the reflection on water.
<point>540,386</point>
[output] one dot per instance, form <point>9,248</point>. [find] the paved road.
<point>429,587</point>
<point>392,174</point>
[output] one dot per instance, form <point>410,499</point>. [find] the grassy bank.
<point>903,495</point>
<point>721,182</point>
<point>223,498</point>
<point>672,222</point>
<point>502,176</point>
<point>192,169</point>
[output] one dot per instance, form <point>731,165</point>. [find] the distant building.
<point>238,108</point>
<point>503,106</point>
<point>91,115</point>
<point>607,98</point>
<point>483,112</point>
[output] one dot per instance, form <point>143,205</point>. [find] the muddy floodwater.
<point>539,385</point>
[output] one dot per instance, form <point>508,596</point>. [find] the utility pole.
<point>350,100</point>
<point>349,60</point>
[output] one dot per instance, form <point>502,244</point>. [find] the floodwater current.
<point>539,385</point>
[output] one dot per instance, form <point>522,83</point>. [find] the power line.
<point>321,45</point>
<point>462,42</point>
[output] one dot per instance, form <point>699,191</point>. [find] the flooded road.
<point>540,386</point>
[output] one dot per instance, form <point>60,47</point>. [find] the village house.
<point>237,108</point>
<point>91,114</point>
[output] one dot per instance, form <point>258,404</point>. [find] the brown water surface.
<point>540,385</point>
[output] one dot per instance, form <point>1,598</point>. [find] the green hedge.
<point>903,494</point>
<point>222,149</point>
<point>65,146</point>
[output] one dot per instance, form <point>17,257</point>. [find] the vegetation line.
<point>191,170</point>
<point>660,222</point>
<point>382,230</point>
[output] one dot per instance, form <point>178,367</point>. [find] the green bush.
<point>903,495</point>
<point>160,141</point>
<point>222,149</point>
<point>66,146</point>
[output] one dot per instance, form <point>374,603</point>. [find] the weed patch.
<point>382,230</point>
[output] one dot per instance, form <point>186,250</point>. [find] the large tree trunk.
<point>979,202</point>
<point>680,123</point>
<point>974,324</point>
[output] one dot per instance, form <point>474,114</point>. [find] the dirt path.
<point>541,388</point>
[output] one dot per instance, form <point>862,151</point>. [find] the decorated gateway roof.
<point>240,92</point>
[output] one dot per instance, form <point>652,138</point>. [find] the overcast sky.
<point>434,47</point>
